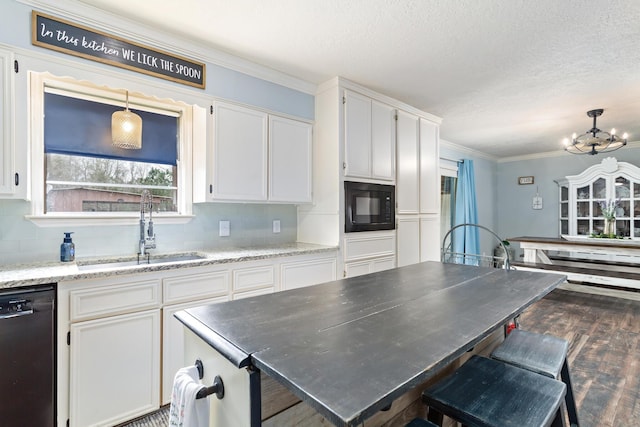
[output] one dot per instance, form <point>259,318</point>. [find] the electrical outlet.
<point>224,228</point>
<point>276,225</point>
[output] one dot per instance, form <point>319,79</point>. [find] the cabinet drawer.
<point>253,278</point>
<point>114,299</point>
<point>369,246</point>
<point>195,286</point>
<point>305,273</point>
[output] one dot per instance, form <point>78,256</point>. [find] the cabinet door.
<point>173,343</point>
<point>239,153</point>
<point>429,168</point>
<point>357,125</point>
<point>289,160</point>
<point>430,244</point>
<point>407,179</point>
<point>6,130</point>
<point>408,230</point>
<point>383,141</point>
<point>115,369</point>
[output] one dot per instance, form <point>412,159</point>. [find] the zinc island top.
<point>350,347</point>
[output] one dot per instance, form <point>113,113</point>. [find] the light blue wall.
<point>251,224</point>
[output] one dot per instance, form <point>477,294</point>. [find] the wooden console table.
<point>349,348</point>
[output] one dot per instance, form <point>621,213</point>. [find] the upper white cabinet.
<point>7,173</point>
<point>429,168</point>
<point>407,182</point>
<point>581,197</point>
<point>239,153</point>
<point>254,156</point>
<point>369,138</point>
<point>289,160</point>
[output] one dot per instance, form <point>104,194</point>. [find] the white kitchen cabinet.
<point>240,153</point>
<point>173,343</point>
<point>369,138</point>
<point>290,160</point>
<point>180,291</point>
<point>307,272</point>
<point>368,252</point>
<point>429,167</point>
<point>430,243</point>
<point>408,158</point>
<point>115,373</point>
<point>254,156</point>
<point>408,234</point>
<point>7,173</point>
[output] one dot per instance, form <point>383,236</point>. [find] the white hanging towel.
<point>186,410</point>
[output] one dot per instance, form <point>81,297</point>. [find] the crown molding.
<point>558,153</point>
<point>467,150</point>
<point>122,26</point>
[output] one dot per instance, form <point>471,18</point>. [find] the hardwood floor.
<point>604,333</point>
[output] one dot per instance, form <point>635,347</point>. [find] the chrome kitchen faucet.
<point>147,237</point>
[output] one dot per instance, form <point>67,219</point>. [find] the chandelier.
<point>594,140</point>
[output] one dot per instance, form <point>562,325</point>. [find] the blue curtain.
<point>465,239</point>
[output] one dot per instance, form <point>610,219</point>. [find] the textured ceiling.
<point>508,77</point>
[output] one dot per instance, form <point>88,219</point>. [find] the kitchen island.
<point>349,348</point>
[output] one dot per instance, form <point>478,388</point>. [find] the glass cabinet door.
<point>564,209</point>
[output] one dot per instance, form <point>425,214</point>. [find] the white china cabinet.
<point>581,197</point>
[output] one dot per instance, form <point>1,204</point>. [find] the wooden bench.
<point>615,275</point>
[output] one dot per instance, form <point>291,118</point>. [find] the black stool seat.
<point>419,422</point>
<point>487,393</point>
<point>542,354</point>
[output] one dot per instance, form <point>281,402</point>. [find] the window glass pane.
<point>636,190</point>
<point>623,209</point>
<point>582,192</point>
<point>583,226</point>
<point>622,228</point>
<point>564,210</point>
<point>564,227</point>
<point>88,184</point>
<point>583,209</point>
<point>598,226</point>
<point>564,193</point>
<point>599,188</point>
<point>623,188</point>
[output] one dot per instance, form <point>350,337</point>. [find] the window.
<point>83,175</point>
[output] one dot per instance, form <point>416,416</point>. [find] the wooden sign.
<point>63,36</point>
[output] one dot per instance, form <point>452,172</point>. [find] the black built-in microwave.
<point>369,207</point>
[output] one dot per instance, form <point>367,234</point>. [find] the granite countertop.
<point>16,275</point>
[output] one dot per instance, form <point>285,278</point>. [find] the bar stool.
<point>487,393</point>
<point>542,354</point>
<point>419,422</point>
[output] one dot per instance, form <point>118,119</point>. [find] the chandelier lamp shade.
<point>126,128</point>
<point>594,140</point>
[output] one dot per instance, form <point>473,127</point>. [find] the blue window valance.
<point>80,127</point>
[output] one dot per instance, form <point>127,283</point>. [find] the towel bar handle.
<point>217,388</point>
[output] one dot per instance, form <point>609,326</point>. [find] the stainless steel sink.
<point>106,265</point>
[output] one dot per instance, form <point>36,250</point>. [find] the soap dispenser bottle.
<point>67,249</point>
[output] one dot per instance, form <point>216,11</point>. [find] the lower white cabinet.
<point>115,372</point>
<point>369,252</point>
<point>173,343</point>
<point>119,345</point>
<point>358,268</point>
<point>307,272</point>
<point>408,229</point>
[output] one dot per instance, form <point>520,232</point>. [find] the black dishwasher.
<point>27,356</point>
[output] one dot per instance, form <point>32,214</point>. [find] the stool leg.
<point>435,416</point>
<point>558,421</point>
<point>569,398</point>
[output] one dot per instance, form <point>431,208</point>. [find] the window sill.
<point>70,220</point>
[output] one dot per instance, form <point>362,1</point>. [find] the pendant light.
<point>126,129</point>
